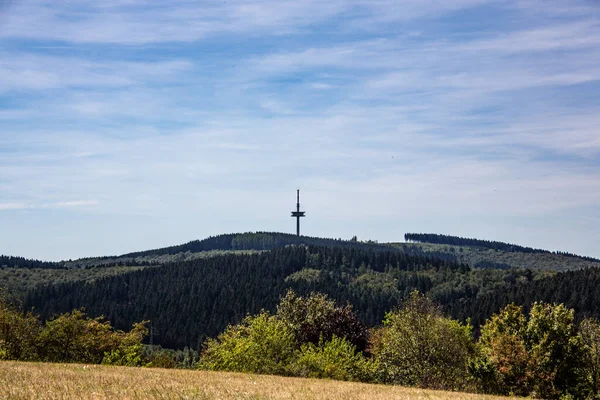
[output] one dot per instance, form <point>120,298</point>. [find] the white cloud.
<point>29,71</point>
<point>148,22</point>
<point>386,113</point>
<point>13,206</point>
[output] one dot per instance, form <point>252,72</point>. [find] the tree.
<point>74,337</point>
<point>334,359</point>
<point>418,346</point>
<point>589,330</point>
<point>556,350</point>
<point>315,318</point>
<point>503,364</point>
<point>18,333</point>
<point>542,356</point>
<point>260,344</point>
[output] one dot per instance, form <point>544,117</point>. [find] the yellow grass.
<point>20,380</point>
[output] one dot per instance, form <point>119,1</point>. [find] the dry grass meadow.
<point>19,380</point>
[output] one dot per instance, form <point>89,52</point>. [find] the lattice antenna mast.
<point>153,332</point>
<point>298,214</point>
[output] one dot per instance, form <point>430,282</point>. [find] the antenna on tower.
<point>298,214</point>
<point>152,332</point>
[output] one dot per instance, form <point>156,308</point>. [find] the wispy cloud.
<point>177,115</point>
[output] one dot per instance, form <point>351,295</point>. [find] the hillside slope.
<point>19,380</point>
<point>481,257</point>
<point>19,280</point>
<point>190,300</point>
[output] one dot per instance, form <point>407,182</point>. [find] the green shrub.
<point>74,337</point>
<point>317,317</point>
<point>542,356</point>
<point>130,356</point>
<point>335,359</point>
<point>418,346</point>
<point>589,330</point>
<point>18,333</point>
<point>259,344</point>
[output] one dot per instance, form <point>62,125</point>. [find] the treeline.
<point>74,337</point>
<point>21,262</point>
<point>189,301</point>
<point>488,244</point>
<point>460,241</point>
<point>542,354</point>
<point>578,290</point>
<point>68,337</point>
<point>253,241</point>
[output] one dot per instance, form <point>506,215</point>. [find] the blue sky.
<point>129,125</point>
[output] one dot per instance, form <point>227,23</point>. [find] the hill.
<point>188,301</point>
<point>482,257</point>
<point>19,380</point>
<point>19,279</point>
<point>196,289</point>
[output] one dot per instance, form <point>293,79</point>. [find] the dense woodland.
<point>578,290</point>
<point>20,262</point>
<point>188,301</point>
<point>489,244</point>
<point>254,241</point>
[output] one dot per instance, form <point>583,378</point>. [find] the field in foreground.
<point>20,380</point>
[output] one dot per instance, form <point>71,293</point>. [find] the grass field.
<point>20,380</point>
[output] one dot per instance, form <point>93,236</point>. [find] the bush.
<point>335,359</point>
<point>418,346</point>
<point>18,333</point>
<point>589,330</point>
<point>502,366</point>
<point>316,317</point>
<point>259,344</point>
<point>74,337</point>
<point>130,356</point>
<point>543,356</point>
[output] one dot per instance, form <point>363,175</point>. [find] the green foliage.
<point>309,336</point>
<point>418,346</point>
<point>216,291</point>
<point>73,337</point>
<point>503,364</point>
<point>335,359</point>
<point>590,335</point>
<point>19,281</point>
<point>315,318</point>
<point>130,356</point>
<point>18,333</point>
<point>556,350</point>
<point>70,337</point>
<point>540,356</point>
<point>308,275</point>
<point>260,344</point>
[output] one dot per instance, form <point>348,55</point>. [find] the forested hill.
<point>488,244</point>
<point>190,300</point>
<point>253,241</point>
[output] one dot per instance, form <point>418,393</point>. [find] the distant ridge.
<point>255,241</point>
<point>437,238</point>
<point>261,241</point>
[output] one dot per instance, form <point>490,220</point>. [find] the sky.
<point>130,125</point>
